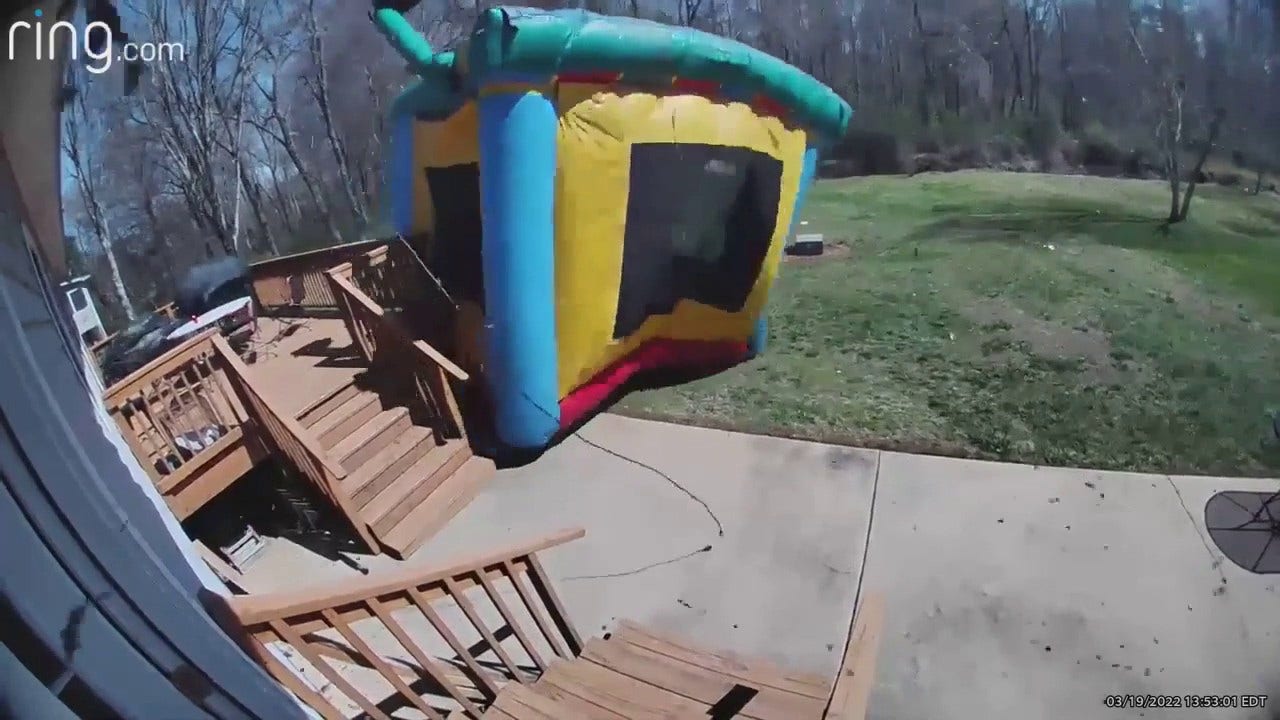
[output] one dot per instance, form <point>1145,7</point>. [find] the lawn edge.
<point>920,447</point>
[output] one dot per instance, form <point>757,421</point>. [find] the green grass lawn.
<point>1034,318</point>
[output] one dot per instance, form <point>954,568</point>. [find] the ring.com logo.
<point>95,41</point>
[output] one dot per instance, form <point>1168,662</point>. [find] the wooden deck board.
<point>519,702</point>
<point>623,696</point>
<point>637,675</point>
<point>284,350</point>
<point>751,671</point>
<point>852,692</point>
<point>699,683</point>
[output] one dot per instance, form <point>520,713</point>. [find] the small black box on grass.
<point>806,245</point>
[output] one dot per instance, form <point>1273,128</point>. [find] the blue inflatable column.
<point>807,173</point>
<point>517,196</point>
<point>756,344</point>
<point>399,173</point>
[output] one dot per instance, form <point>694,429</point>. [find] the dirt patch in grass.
<point>1192,299</point>
<point>1047,339</point>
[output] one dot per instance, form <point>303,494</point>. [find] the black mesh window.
<point>455,250</point>
<point>699,222</point>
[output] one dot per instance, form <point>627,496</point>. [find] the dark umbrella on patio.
<point>202,280</point>
<point>1246,528</point>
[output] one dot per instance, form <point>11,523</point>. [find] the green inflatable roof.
<point>512,44</point>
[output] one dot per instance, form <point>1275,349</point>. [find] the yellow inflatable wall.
<point>598,126</point>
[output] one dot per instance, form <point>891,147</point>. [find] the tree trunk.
<point>320,91</point>
<point>117,280</point>
<point>253,193</point>
<point>86,174</point>
<point>1015,64</point>
<point>1067,109</point>
<point>927,89</point>
<point>1175,191</point>
<point>1215,126</point>
<point>285,139</point>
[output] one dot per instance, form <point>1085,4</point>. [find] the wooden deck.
<point>284,350</point>
<point>342,392</point>
<point>488,636</point>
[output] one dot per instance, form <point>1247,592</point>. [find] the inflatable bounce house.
<point>601,196</point>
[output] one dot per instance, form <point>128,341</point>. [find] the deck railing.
<point>390,348</point>
<point>289,439</point>
<point>176,410</point>
<point>295,285</point>
<point>439,640</point>
<point>394,277</point>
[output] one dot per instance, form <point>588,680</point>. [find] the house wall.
<point>93,563</point>
<point>94,571</point>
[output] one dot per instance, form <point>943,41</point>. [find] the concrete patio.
<point>1010,589</point>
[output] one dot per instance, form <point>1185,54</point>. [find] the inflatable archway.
<point>603,196</point>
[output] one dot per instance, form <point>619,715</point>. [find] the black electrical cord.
<point>621,456</point>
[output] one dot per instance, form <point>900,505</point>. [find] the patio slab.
<point>1036,592</point>
<point>781,581</point>
<point>1011,590</point>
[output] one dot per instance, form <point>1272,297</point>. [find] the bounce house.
<point>601,196</point>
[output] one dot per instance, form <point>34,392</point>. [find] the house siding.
<point>90,560</point>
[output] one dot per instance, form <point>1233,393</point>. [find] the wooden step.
<point>327,403</point>
<point>625,696</point>
<point>346,418</point>
<point>369,439</point>
<point>382,469</point>
<point>752,671</point>
<point>414,485</point>
<point>426,519</point>
<point>519,702</point>
<point>699,683</point>
<point>566,702</point>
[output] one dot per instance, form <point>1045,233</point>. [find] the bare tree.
<point>318,84</point>
<point>269,134</point>
<point>187,103</point>
<point>89,174</point>
<point>1169,86</point>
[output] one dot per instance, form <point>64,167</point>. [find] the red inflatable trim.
<point>653,355</point>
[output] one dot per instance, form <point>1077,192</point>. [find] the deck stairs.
<point>403,480</point>
<point>636,673</point>
<point>488,636</point>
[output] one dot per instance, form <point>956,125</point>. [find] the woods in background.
<point>265,136</point>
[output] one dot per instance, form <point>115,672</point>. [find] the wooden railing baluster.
<point>511,620</point>
<point>385,343</point>
<point>429,666</point>
<point>291,636</point>
<point>457,594</point>
<point>274,280</point>
<point>542,585</point>
<point>303,618</point>
<point>480,675</point>
<point>535,611</point>
<point>291,681</point>
<point>360,646</point>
